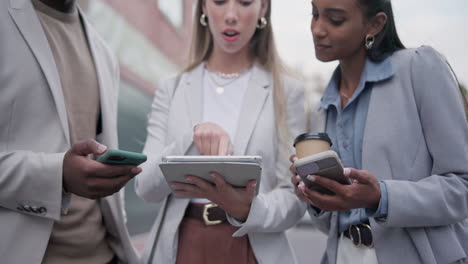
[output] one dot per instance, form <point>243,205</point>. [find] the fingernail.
<point>301,187</point>
<point>295,158</point>
<point>188,179</point>
<point>346,171</point>
<point>136,170</point>
<point>311,178</point>
<point>101,148</point>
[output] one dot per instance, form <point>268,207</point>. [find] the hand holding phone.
<point>326,164</point>
<point>88,178</point>
<point>121,157</point>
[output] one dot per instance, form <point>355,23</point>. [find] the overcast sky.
<point>441,24</point>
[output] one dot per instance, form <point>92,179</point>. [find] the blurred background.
<point>150,39</point>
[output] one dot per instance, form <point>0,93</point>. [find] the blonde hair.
<point>262,50</point>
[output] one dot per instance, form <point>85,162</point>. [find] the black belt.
<point>114,260</point>
<point>360,234</point>
<point>210,214</point>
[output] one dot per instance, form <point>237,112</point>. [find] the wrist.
<point>240,212</point>
<point>374,205</point>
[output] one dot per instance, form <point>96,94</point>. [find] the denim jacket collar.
<point>373,72</point>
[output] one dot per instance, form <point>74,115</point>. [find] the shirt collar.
<point>373,72</point>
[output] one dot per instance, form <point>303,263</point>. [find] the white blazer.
<point>34,137</point>
<point>175,111</point>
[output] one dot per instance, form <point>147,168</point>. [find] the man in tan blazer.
<point>58,87</point>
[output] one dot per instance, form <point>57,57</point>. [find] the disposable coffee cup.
<point>309,144</point>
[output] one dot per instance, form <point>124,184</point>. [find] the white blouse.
<point>222,103</point>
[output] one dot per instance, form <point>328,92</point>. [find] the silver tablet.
<point>235,170</point>
<point>246,159</point>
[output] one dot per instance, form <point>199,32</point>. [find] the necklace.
<point>229,75</point>
<point>345,96</point>
<point>220,87</point>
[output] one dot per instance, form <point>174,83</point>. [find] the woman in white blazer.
<point>396,117</point>
<point>232,99</point>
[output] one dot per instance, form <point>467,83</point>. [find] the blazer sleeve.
<point>441,198</point>
<point>280,208</point>
<point>150,184</point>
<point>320,220</point>
<point>31,183</point>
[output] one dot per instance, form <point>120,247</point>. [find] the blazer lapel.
<point>375,158</point>
<point>254,101</point>
<point>194,94</point>
<point>29,25</point>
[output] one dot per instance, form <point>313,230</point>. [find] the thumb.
<point>87,147</point>
<point>292,158</point>
<point>356,175</point>
<point>251,188</point>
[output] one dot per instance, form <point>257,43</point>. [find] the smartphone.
<point>121,157</point>
<point>326,164</point>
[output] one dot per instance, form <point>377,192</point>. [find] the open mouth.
<point>230,33</point>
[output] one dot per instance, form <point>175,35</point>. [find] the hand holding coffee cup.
<point>316,158</point>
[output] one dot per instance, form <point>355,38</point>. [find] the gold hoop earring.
<point>262,23</point>
<point>203,20</point>
<point>369,42</point>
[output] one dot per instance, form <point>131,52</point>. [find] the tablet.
<point>236,170</point>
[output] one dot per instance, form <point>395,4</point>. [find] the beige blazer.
<point>34,136</point>
<point>175,112</point>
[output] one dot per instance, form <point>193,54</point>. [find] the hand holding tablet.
<point>235,170</point>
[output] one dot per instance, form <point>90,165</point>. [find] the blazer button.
<point>42,210</point>
<point>35,209</point>
<point>27,208</point>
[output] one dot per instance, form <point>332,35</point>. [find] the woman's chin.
<point>323,58</point>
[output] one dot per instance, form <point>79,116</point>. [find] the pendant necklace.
<point>220,87</point>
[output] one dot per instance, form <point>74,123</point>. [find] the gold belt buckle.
<point>359,242</point>
<point>356,243</point>
<point>207,221</point>
<point>370,230</point>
